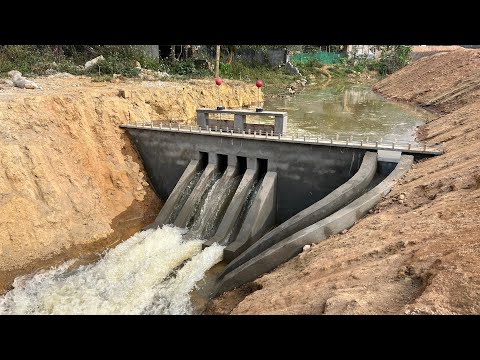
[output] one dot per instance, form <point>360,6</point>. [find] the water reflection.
<point>349,110</point>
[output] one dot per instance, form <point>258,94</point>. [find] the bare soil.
<point>427,50</point>
<point>419,251</point>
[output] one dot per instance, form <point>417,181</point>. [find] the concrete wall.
<point>306,172</point>
<point>272,57</point>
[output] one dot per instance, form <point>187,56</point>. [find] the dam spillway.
<point>285,184</point>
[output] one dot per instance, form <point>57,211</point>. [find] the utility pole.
<point>217,62</point>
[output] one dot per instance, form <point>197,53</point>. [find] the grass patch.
<point>33,60</point>
<point>275,79</point>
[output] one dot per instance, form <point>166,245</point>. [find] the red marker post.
<point>259,85</point>
<point>218,82</point>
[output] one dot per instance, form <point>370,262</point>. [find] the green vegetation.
<point>37,59</point>
<point>122,60</point>
<point>25,58</point>
<point>275,79</point>
<point>392,58</point>
<point>119,59</point>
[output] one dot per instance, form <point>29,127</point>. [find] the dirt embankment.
<point>71,183</point>
<point>419,252</point>
<point>427,50</point>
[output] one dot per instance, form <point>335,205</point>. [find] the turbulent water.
<point>153,272</point>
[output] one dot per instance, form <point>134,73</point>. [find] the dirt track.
<point>420,251</point>
<point>71,183</point>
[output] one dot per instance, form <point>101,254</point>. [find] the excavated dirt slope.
<point>71,183</point>
<point>419,252</point>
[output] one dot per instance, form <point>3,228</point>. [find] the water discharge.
<point>183,198</point>
<point>151,272</point>
<point>158,271</point>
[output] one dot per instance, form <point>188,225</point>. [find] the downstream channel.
<point>165,271</point>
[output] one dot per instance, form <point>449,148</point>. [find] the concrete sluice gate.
<point>262,199</point>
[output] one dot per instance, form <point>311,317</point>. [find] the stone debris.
<point>307,247</point>
<point>20,82</point>
<point>151,75</point>
<point>6,82</point>
<point>90,64</point>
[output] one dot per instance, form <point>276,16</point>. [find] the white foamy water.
<point>173,295</point>
<point>144,274</point>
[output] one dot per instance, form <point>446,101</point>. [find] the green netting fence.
<point>322,56</point>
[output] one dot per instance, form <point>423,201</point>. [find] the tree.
<point>217,61</point>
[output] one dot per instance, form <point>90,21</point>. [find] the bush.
<point>226,70</point>
<point>310,66</point>
<point>393,58</point>
<point>186,67</point>
<point>36,59</point>
<point>275,79</point>
<point>27,59</point>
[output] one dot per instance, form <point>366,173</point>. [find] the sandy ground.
<point>419,251</point>
<point>421,51</point>
<point>71,183</point>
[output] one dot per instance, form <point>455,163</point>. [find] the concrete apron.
<point>220,199</point>
<point>233,210</point>
<point>314,213</point>
<point>333,224</point>
<point>196,195</point>
<point>259,219</point>
<point>176,194</point>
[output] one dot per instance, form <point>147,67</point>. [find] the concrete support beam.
<point>202,119</point>
<point>234,209</point>
<point>259,219</point>
<point>239,121</point>
<point>176,194</point>
<point>232,160</point>
<point>333,224</point>
<point>281,124</point>
<point>252,163</point>
<point>212,158</point>
<point>186,212</point>
<point>314,213</point>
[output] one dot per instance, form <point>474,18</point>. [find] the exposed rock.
<point>6,82</point>
<point>151,75</point>
<point>90,64</point>
<point>20,82</point>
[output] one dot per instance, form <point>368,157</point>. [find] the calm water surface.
<point>349,110</point>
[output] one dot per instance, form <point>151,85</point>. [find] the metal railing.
<point>335,140</point>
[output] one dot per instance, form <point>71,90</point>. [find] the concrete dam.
<point>262,193</point>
